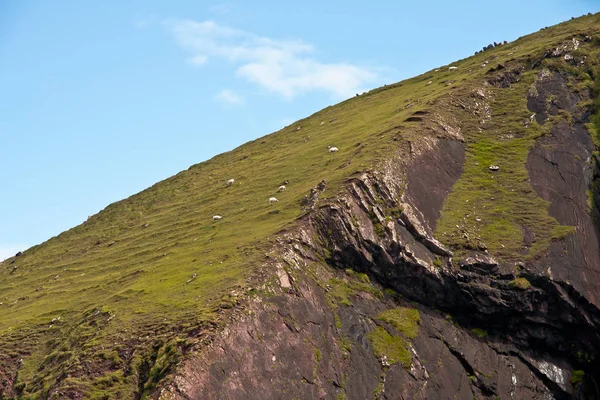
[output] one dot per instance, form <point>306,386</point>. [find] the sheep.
<point>281,188</point>
<point>333,149</point>
<point>452,68</point>
<point>217,218</point>
<point>273,200</point>
<point>230,182</point>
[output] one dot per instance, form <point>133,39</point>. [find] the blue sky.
<point>101,99</point>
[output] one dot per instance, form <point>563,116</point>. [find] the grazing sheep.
<point>452,68</point>
<point>273,200</point>
<point>281,188</point>
<point>217,218</point>
<point>333,149</point>
<point>429,83</point>
<point>230,182</point>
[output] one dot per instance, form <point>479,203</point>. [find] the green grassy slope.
<point>155,265</point>
<point>138,274</point>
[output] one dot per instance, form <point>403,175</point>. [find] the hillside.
<point>401,266</point>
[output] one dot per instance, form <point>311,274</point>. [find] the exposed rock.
<point>311,199</point>
<point>480,263</point>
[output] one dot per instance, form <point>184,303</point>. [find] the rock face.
<point>504,340</point>
<point>501,341</point>
<point>489,328</point>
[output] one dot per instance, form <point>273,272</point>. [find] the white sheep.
<point>217,218</point>
<point>273,200</point>
<point>230,182</point>
<point>452,68</point>
<point>333,149</point>
<point>281,188</point>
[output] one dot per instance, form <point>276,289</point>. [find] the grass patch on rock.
<point>481,333</point>
<point>491,209</point>
<point>577,377</point>
<point>405,320</point>
<point>394,348</point>
<point>520,283</point>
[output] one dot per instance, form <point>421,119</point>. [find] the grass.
<point>491,210</point>
<point>155,266</point>
<point>394,348</point>
<point>338,289</point>
<point>520,283</point>
<point>577,377</point>
<point>481,333</point>
<point>488,209</point>
<point>405,320</point>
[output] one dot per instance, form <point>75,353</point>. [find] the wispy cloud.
<point>285,67</point>
<point>228,96</point>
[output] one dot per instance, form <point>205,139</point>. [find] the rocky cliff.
<point>493,324</point>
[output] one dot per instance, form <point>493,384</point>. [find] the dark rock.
<point>480,263</point>
<point>504,79</point>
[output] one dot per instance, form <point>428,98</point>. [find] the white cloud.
<point>10,249</point>
<point>285,67</point>
<point>228,96</point>
<point>198,60</point>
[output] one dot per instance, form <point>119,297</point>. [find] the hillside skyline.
<point>94,118</point>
